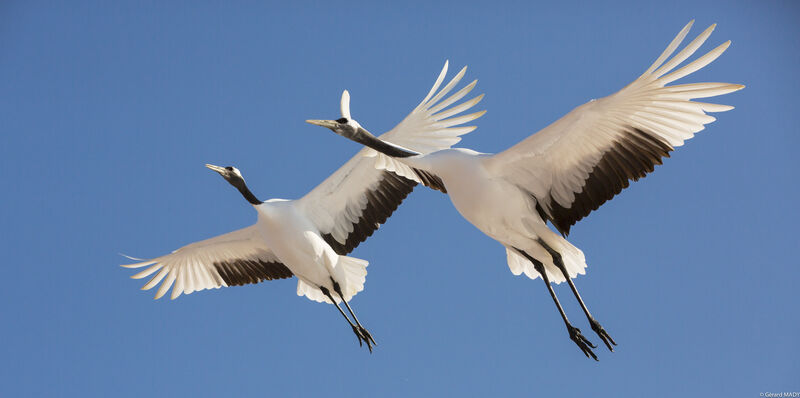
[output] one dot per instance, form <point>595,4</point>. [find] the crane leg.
<point>559,262</point>
<point>356,330</point>
<point>574,333</point>
<point>364,333</point>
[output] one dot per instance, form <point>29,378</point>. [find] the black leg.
<point>327,294</point>
<point>559,262</point>
<point>364,333</point>
<point>574,333</point>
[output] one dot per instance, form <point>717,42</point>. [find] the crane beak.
<point>324,123</point>
<point>218,169</point>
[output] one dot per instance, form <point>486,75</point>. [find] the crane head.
<point>345,125</point>
<point>234,177</point>
<point>349,128</point>
<point>230,174</point>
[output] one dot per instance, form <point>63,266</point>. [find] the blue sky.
<point>109,110</point>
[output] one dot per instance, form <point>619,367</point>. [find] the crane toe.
<point>603,334</point>
<point>364,336</point>
<point>359,336</point>
<point>367,338</point>
<point>583,343</point>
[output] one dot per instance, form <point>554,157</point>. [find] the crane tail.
<point>351,274</point>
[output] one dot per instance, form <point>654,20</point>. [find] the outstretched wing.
<point>352,203</point>
<point>233,259</point>
<point>585,158</point>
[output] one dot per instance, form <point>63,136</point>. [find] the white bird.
<point>570,168</point>
<point>310,236</point>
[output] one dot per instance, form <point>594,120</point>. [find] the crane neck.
<point>364,137</point>
<point>245,191</point>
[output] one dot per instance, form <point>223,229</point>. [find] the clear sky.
<point>108,111</point>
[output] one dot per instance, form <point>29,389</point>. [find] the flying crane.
<point>310,237</point>
<point>566,170</point>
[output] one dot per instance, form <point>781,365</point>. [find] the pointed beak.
<point>324,123</point>
<point>216,168</point>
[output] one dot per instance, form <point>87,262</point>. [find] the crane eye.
<point>229,168</point>
<point>342,120</point>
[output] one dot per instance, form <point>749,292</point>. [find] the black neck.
<point>364,137</point>
<point>242,187</point>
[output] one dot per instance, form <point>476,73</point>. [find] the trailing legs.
<point>559,262</point>
<point>574,333</point>
<point>356,329</point>
<point>364,333</point>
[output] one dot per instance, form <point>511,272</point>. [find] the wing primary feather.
<point>435,84</point>
<point>147,272</point>
<point>448,87</point>
<point>696,64</point>
<point>459,120</point>
<point>458,109</point>
<point>686,52</point>
<point>708,107</point>
<point>138,265</point>
<point>177,288</point>
<point>670,48</point>
<point>157,278</point>
<point>162,290</point>
<point>453,98</point>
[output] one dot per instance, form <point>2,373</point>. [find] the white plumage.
<point>309,237</point>
<point>572,166</point>
<point>191,268</point>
